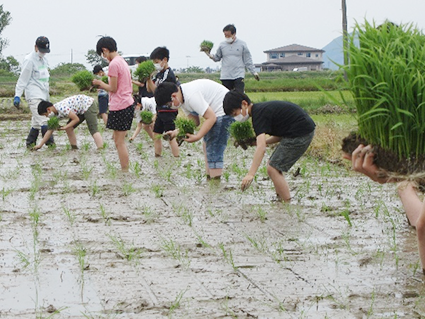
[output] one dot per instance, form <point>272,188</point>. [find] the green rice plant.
<point>105,79</point>
<point>53,123</point>
<point>149,214</point>
<point>144,70</point>
<point>135,167</point>
<point>23,258</point>
<point>346,214</point>
<point>83,80</point>
<point>206,46</point>
<point>176,303</point>
<point>158,190</point>
<point>243,133</point>
<point>228,256</point>
<point>185,126</point>
<point>147,117</point>
<point>130,253</point>
<point>5,192</point>
<point>94,189</point>
<point>386,76</point>
<point>71,217</point>
<point>105,215</point>
<point>81,254</point>
<point>174,250</point>
<point>128,189</point>
<point>262,214</point>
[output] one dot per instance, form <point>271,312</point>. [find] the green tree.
<point>93,59</point>
<point>5,20</point>
<point>67,69</point>
<point>10,64</point>
<point>195,69</point>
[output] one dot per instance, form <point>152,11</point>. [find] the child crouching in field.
<point>77,108</point>
<point>144,104</point>
<point>284,122</point>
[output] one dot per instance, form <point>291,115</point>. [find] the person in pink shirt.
<point>121,103</point>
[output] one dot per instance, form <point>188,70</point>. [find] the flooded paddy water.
<point>78,239</point>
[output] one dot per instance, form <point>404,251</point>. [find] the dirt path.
<point>78,239</point>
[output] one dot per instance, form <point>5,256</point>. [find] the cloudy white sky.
<point>138,26</point>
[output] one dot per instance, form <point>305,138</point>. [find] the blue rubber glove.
<point>16,101</point>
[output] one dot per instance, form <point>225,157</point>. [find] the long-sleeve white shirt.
<point>235,57</point>
<point>34,78</point>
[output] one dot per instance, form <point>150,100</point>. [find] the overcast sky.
<point>73,26</point>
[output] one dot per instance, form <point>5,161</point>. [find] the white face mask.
<point>158,66</point>
<point>173,107</point>
<point>52,114</point>
<point>229,40</point>
<point>241,118</point>
<point>41,55</point>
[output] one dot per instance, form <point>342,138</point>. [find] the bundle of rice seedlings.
<point>185,126</point>
<point>206,46</point>
<point>243,133</point>
<point>144,70</point>
<point>105,79</point>
<point>53,123</point>
<point>83,80</point>
<point>146,116</point>
<point>386,76</point>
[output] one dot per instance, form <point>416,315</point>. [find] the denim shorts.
<point>216,141</point>
<point>289,151</point>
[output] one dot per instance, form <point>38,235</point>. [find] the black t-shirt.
<point>166,75</point>
<point>143,91</point>
<point>279,118</point>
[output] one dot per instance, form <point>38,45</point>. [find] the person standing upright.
<point>235,57</point>
<point>34,81</point>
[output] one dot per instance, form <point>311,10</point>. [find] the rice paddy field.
<point>79,239</point>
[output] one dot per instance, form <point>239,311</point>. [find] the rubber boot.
<point>50,141</point>
<point>32,137</point>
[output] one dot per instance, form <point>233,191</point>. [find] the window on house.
<point>282,55</point>
<point>300,53</point>
<point>317,55</point>
<point>273,55</point>
<point>308,55</point>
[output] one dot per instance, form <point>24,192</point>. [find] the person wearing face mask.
<point>201,98</point>
<point>34,81</point>
<point>165,116</point>
<point>235,57</point>
<point>283,122</point>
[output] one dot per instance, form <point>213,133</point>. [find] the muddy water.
<point>78,239</point>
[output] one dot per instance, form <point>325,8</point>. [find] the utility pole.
<point>344,31</point>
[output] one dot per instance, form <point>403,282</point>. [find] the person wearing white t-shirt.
<point>144,104</point>
<point>201,98</point>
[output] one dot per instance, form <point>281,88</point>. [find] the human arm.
<point>260,150</point>
<point>249,64</point>
<point>273,140</point>
<point>112,86</point>
<point>74,119</point>
<point>43,140</point>
<point>150,85</point>
<point>210,119</point>
<point>24,78</point>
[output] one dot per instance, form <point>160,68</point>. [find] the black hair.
<point>42,107</point>
<point>141,59</point>
<point>231,28</point>
<point>106,43</point>
<point>160,53</point>
<point>97,68</point>
<point>163,93</point>
<point>233,101</point>
<point>137,98</point>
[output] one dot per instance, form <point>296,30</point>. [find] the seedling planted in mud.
<point>105,215</point>
<point>130,253</point>
<point>228,256</point>
<point>175,251</point>
<point>176,303</point>
<point>158,190</point>
<point>71,217</point>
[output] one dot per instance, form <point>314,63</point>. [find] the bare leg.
<point>137,131</point>
<point>280,184</point>
<point>119,139</point>
<point>174,147</point>
<point>98,140</point>
<point>410,200</point>
<point>71,136</point>
<point>104,117</point>
<point>149,130</point>
<point>157,144</point>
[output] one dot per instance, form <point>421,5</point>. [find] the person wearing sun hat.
<point>34,81</point>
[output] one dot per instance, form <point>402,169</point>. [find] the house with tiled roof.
<point>293,57</point>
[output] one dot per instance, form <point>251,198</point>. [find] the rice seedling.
<point>53,123</point>
<point>243,133</point>
<point>185,213</point>
<point>130,253</point>
<point>176,303</point>
<point>258,243</point>
<point>228,256</point>
<point>144,70</point>
<point>105,215</point>
<point>147,117</point>
<point>71,217</point>
<point>174,250</point>
<point>83,80</point>
<point>128,189</point>
<point>105,79</point>
<point>23,258</point>
<point>386,76</point>
<point>81,254</point>
<point>5,192</point>
<point>261,213</point>
<point>149,214</point>
<point>158,190</point>
<point>346,214</point>
<point>94,188</point>
<point>135,167</point>
<point>206,46</point>
<point>185,126</point>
